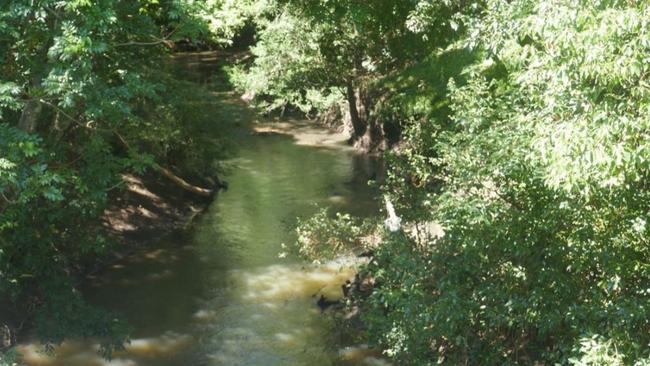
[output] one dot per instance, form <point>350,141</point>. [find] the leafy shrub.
<point>300,81</point>
<point>322,236</point>
<point>46,231</point>
<point>8,358</point>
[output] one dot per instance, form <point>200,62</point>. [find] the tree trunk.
<point>29,117</point>
<point>32,111</point>
<point>180,182</point>
<point>357,124</point>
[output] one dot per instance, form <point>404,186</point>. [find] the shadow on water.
<point>222,295</point>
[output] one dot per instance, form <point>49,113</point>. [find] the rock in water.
<point>323,303</point>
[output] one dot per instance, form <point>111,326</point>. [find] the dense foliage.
<point>533,157</point>
<point>339,51</point>
<point>524,135</point>
<point>543,198</point>
<point>86,93</point>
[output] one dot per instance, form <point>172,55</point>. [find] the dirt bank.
<point>149,208</point>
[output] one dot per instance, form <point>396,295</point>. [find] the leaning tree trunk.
<point>357,124</point>
<point>180,182</point>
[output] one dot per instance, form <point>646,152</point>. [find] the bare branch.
<point>165,40</point>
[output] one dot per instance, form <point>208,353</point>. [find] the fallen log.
<point>182,183</point>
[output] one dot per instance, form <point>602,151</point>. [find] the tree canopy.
<point>518,128</point>
<point>87,93</point>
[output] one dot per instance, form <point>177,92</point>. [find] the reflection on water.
<point>223,296</point>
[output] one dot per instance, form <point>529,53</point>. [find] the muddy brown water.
<point>222,295</point>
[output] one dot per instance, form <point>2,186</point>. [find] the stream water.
<point>222,295</point>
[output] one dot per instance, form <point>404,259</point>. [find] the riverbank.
<point>148,209</point>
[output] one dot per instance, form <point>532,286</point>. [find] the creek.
<point>221,294</point>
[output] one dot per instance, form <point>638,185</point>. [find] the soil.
<point>149,208</point>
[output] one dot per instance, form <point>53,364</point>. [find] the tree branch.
<point>165,40</point>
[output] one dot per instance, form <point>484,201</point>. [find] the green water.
<point>221,295</point>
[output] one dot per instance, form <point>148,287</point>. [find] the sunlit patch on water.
<point>87,354</point>
<point>338,199</point>
<point>362,355</point>
<point>271,317</point>
<point>304,133</point>
<point>205,315</point>
<point>168,343</point>
<point>293,281</point>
